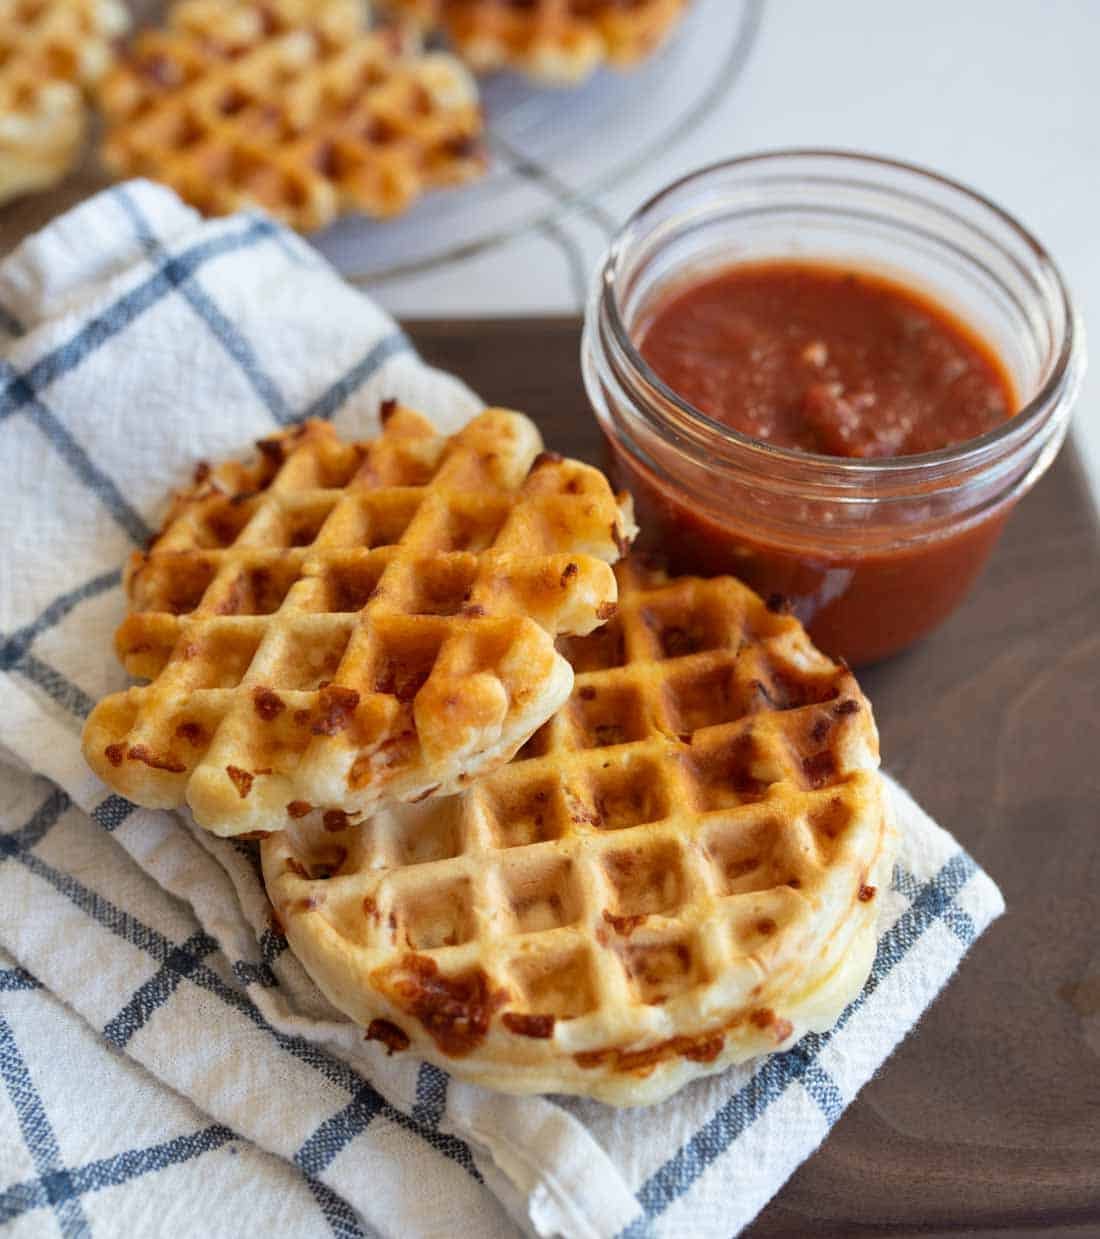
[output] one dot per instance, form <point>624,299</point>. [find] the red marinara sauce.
<point>835,362</point>
<point>827,360</point>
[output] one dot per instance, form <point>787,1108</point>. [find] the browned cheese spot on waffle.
<point>557,41</point>
<point>335,624</point>
<point>291,105</point>
<point>678,870</point>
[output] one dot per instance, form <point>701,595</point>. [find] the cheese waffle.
<point>51,51</point>
<point>291,106</point>
<point>679,871</point>
<point>338,624</point>
<point>556,41</point>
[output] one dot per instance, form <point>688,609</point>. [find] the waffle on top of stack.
<point>291,105</point>
<point>679,871</point>
<point>51,52</point>
<point>556,41</point>
<point>339,624</point>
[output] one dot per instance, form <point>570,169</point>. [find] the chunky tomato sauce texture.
<point>826,360</point>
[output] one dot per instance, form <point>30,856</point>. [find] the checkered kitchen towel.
<point>206,1086</point>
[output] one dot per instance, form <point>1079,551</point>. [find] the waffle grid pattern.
<point>51,51</point>
<point>686,833</point>
<point>341,621</point>
<point>291,106</point>
<point>559,41</point>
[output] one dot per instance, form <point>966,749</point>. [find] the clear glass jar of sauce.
<point>871,552</point>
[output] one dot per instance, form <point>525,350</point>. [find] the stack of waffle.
<point>295,106</point>
<point>51,53</point>
<point>554,41</point>
<point>551,825</point>
<point>302,107</point>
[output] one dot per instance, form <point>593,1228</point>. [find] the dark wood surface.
<point>986,1121</point>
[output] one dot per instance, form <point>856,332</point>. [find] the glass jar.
<point>870,554</point>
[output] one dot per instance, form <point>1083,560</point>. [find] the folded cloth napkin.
<point>137,339</point>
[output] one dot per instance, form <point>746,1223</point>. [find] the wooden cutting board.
<point>986,1121</point>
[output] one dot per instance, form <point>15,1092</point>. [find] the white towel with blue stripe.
<point>165,1065</point>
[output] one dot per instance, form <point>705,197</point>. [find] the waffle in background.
<point>555,41</point>
<point>341,624</point>
<point>51,53</point>
<point>293,106</point>
<point>681,870</point>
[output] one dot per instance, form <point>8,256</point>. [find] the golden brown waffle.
<point>51,51</point>
<point>679,871</point>
<point>291,106</point>
<point>339,624</point>
<point>556,41</point>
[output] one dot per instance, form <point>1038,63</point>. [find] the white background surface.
<point>1003,95</point>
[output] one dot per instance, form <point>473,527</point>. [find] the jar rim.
<point>965,454</point>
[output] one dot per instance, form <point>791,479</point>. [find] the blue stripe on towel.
<point>21,389</point>
<point>19,844</point>
<point>205,307</point>
<point>86,470</point>
<point>147,999</point>
<point>57,1187</point>
<point>432,1084</point>
<point>38,1134</point>
<point>21,640</point>
<point>12,979</point>
<point>61,689</point>
<point>112,812</point>
<point>329,403</point>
